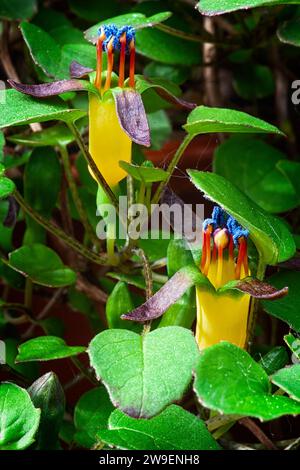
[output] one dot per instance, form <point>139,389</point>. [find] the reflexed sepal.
<point>132,116</point>
<point>45,90</point>
<point>156,306</point>
<point>255,288</point>
<point>79,71</point>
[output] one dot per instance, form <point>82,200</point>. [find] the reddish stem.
<point>110,64</point>
<point>132,64</point>
<point>122,60</point>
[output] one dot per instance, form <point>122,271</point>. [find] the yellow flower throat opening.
<point>222,316</point>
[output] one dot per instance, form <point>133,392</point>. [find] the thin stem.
<point>77,201</point>
<point>174,162</point>
<point>148,280</point>
<point>260,274</point>
<point>50,227</point>
<point>100,178</point>
<point>258,433</point>
<point>84,370</point>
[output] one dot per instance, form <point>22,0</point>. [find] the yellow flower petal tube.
<point>108,143</point>
<point>222,316</point>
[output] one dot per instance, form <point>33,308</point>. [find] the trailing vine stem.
<point>58,232</point>
<point>260,274</point>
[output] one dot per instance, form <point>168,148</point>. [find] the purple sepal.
<point>44,90</point>
<point>79,71</point>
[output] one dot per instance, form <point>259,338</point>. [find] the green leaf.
<point>246,390</point>
<point>144,374</point>
<point>155,245</point>
<point>47,394</point>
<point>46,348</point>
<point>183,312</point>
<point>294,344</point>
<point>270,235</point>
<point>95,9</point>
<point>20,109</point>
<point>213,7</point>
<point>17,9</point>
<point>203,120</point>
<point>291,171</point>
<point>288,379</point>
<point>173,429</point>
<point>287,308</point>
<point>118,303</point>
<point>174,73</point>
<point>91,415</point>
<point>253,81</point>
<point>19,418</point>
<point>137,20</point>
<point>52,136</point>
<point>289,32</point>
<point>255,172</point>
<point>7,187</point>
<point>275,359</point>
<point>42,265</point>
<point>160,128</point>
<point>42,184</point>
<point>145,174</point>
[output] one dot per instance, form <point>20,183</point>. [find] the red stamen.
<point>241,257</point>
<point>204,252</point>
<point>132,64</point>
<point>99,60</point>
<point>208,251</point>
<point>110,63</point>
<point>122,60</point>
<point>214,253</point>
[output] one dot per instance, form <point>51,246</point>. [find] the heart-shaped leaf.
<point>214,7</point>
<point>246,390</point>
<point>270,235</point>
<point>91,415</point>
<point>256,173</point>
<point>173,429</point>
<point>42,265</point>
<point>144,374</point>
<point>19,418</point>
<point>137,20</point>
<point>204,120</point>
<point>288,379</point>
<point>46,348</point>
<point>18,109</point>
<point>286,309</point>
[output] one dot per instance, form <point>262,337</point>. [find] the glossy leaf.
<point>204,120</point>
<point>288,379</point>
<point>291,170</point>
<point>137,20</point>
<point>144,374</point>
<point>118,303</point>
<point>289,33</point>
<point>19,418</point>
<point>275,359</point>
<point>42,265</point>
<point>270,235</point>
<point>145,174</point>
<point>46,348</point>
<point>246,390</point>
<point>19,109</point>
<point>286,309</point>
<point>256,173</point>
<point>17,9</point>
<point>173,429</point>
<point>47,394</point>
<point>91,415</point>
<point>294,344</point>
<point>213,7</point>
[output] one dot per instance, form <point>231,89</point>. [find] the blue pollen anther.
<point>236,230</point>
<point>219,216</point>
<point>112,31</point>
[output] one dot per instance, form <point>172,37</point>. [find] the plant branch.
<point>258,433</point>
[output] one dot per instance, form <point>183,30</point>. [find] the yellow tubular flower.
<point>222,316</point>
<point>108,143</point>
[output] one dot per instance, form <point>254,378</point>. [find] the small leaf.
<point>132,116</point>
<point>144,374</point>
<point>144,174</point>
<point>7,187</point>
<point>270,235</point>
<point>204,120</point>
<point>17,9</point>
<point>19,418</point>
<point>246,390</point>
<point>46,348</point>
<point>288,379</point>
<point>213,7</point>
<point>51,136</point>
<point>137,20</point>
<point>79,71</point>
<point>168,294</point>
<point>47,394</point>
<point>287,308</point>
<point>45,90</point>
<point>288,32</point>
<point>275,359</point>
<point>91,415</point>
<point>293,343</point>
<point>19,109</point>
<point>256,288</point>
<point>42,265</point>
<point>118,303</point>
<point>173,429</point>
